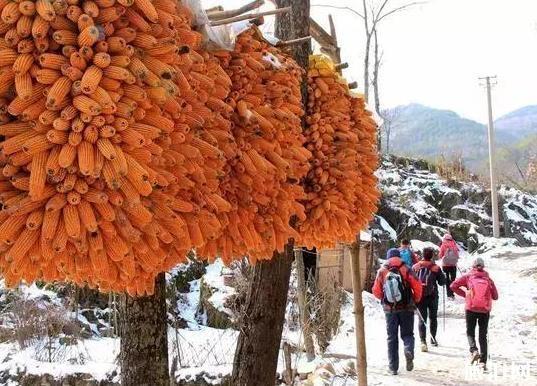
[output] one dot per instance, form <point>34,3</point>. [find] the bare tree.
<point>390,119</point>
<point>372,13</point>
<point>375,83</point>
<point>376,68</point>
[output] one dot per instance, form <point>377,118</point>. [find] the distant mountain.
<point>518,124</point>
<point>418,130</point>
<point>421,131</point>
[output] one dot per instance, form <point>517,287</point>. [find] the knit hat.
<point>478,262</point>
<point>447,237</point>
<point>394,252</point>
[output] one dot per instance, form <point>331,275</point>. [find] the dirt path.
<point>512,333</point>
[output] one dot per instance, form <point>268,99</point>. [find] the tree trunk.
<point>294,25</point>
<point>256,356</point>
<point>366,68</point>
<point>304,306</point>
<point>258,346</point>
<point>376,68</point>
<point>144,342</point>
<point>388,134</point>
<point>367,50</point>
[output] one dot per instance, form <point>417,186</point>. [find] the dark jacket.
<point>439,276</point>
<point>408,276</point>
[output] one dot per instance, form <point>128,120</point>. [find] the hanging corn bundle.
<point>341,188</point>
<point>262,179</point>
<point>108,176</point>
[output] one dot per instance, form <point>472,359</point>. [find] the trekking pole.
<point>444,307</point>
<point>421,316</point>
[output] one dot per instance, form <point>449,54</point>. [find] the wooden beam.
<point>221,14</point>
<point>218,8</point>
<point>249,16</point>
<point>320,35</point>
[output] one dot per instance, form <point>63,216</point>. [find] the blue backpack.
<point>406,257</point>
<point>396,289</point>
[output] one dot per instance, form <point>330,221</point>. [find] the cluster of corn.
<point>126,145</point>
<point>341,189</point>
<point>111,122</point>
<point>265,166</point>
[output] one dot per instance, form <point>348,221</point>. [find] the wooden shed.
<point>333,268</point>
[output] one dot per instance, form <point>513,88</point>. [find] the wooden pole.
<point>303,306</point>
<point>336,54</point>
<point>285,43</point>
<point>361,352</point>
<point>249,16</point>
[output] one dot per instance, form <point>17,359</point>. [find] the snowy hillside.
<point>418,204</point>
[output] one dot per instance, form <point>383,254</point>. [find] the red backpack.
<point>479,294</point>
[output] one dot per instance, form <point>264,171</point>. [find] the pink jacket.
<point>448,243</point>
<point>465,281</point>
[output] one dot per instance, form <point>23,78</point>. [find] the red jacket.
<point>415,285</point>
<point>464,281</point>
<point>448,244</point>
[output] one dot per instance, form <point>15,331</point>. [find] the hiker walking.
<point>429,274</point>
<point>399,291</point>
<point>449,253</point>
<point>479,291</point>
<point>407,254</point>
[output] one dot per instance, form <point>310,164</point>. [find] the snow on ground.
<point>209,352</point>
<point>512,331</point>
<point>418,245</point>
<point>91,356</point>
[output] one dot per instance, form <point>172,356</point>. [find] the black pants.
<point>451,275</point>
<point>472,319</point>
<point>428,308</point>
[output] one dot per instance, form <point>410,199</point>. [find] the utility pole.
<point>490,81</point>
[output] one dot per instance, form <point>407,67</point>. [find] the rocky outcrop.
<point>216,316</point>
<point>82,379</point>
<point>78,379</point>
<point>419,204</point>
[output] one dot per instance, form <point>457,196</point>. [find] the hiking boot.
<point>424,347</point>
<point>474,357</point>
<point>392,372</point>
<point>482,366</point>
<point>409,361</point>
<point>434,342</point>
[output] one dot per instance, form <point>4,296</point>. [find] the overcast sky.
<point>434,53</point>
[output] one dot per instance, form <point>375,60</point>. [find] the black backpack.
<point>397,293</point>
<point>428,280</point>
